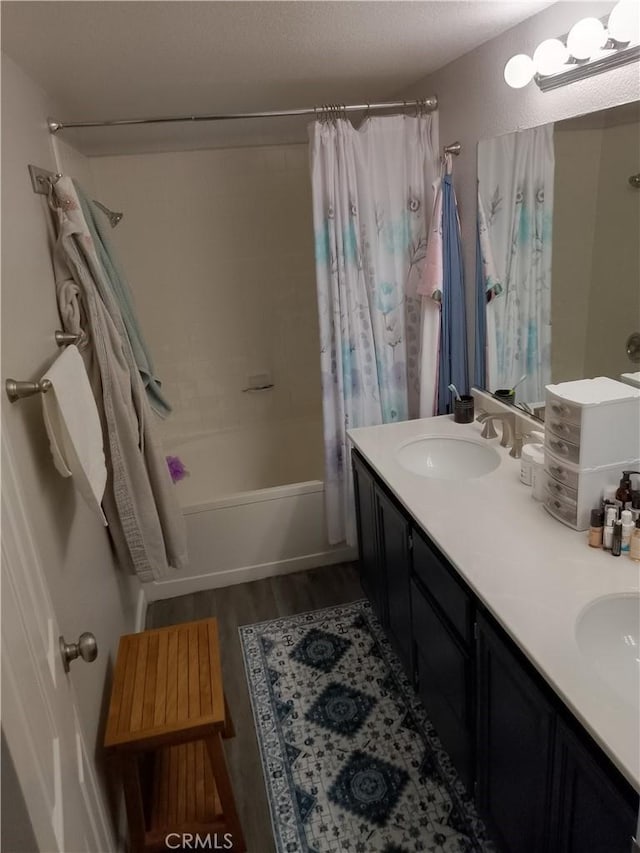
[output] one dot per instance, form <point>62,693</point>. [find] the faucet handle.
<point>489,430</point>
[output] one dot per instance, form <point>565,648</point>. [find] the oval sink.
<point>608,636</point>
<point>447,458</point>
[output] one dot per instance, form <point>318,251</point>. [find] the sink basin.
<point>608,635</point>
<point>447,458</point>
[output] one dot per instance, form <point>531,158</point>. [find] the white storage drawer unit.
<point>593,422</point>
<point>592,434</point>
<point>571,492</point>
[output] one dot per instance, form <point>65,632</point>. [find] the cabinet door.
<point>393,538</point>
<point>371,568</point>
<point>514,743</point>
<point>592,809</point>
<point>444,670</point>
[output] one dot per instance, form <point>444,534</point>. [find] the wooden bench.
<point>167,717</point>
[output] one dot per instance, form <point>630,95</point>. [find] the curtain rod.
<point>428,104</point>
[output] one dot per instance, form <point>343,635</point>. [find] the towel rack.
<point>17,389</point>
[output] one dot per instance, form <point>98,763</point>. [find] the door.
<point>514,742</point>
<point>39,715</point>
<point>371,568</point>
<point>589,810</point>
<point>393,539</point>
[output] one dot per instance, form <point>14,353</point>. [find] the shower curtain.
<point>516,208</point>
<point>372,199</point>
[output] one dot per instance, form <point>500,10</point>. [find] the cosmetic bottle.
<point>624,492</point>
<point>634,549</point>
<point>596,529</point>
<point>609,494</point>
<point>616,540</point>
<point>635,506</point>
<point>627,528</point>
<point>610,518</point>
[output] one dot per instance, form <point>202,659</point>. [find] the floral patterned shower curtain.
<point>515,212</point>
<point>372,199</point>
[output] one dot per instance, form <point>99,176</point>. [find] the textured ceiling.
<point>127,59</point>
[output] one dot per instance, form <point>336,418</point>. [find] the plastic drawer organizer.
<point>592,434</point>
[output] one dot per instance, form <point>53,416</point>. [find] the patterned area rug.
<point>351,762</point>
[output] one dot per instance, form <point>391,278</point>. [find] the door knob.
<point>86,648</point>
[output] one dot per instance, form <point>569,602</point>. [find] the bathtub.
<point>253,505</point>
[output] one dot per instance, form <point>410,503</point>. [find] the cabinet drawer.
<point>562,510</point>
<point>559,490</point>
<point>560,472</point>
<point>445,589</point>
<point>559,409</point>
<point>444,683</point>
<point>564,429</point>
<point>562,448</point>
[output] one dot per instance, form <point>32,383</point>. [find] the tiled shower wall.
<point>217,246</point>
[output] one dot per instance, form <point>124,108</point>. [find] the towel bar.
<point>16,389</point>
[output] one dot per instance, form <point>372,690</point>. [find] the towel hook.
<point>17,390</point>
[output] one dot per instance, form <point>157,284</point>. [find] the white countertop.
<point>533,573</point>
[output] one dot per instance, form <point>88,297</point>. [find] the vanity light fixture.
<point>590,47</point>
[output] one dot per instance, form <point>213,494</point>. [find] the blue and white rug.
<point>351,762</point>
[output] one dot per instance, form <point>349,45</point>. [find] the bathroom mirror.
<point>558,239</point>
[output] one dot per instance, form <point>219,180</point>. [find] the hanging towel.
<point>116,281</point>
<point>73,426</point>
<point>146,524</point>
<point>430,288</point>
<point>453,325</point>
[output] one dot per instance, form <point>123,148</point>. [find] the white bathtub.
<point>253,505</point>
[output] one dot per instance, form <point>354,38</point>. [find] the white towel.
<point>73,426</point>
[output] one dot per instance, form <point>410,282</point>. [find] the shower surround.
<point>218,248</point>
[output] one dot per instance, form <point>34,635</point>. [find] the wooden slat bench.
<point>167,718</point>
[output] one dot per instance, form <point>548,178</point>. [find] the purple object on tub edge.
<point>176,468</point>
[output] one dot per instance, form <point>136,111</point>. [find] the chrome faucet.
<point>488,419</point>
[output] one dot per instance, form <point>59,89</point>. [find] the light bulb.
<point>624,22</point>
<point>550,56</point>
<point>519,71</point>
<point>586,38</point>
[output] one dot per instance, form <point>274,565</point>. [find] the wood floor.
<point>242,605</point>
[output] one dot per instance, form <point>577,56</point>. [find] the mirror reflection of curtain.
<point>372,201</point>
<point>515,218</point>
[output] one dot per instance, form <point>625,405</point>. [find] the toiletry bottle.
<point>624,491</point>
<point>616,541</point>
<point>634,549</point>
<point>611,516</point>
<point>627,528</point>
<point>609,494</point>
<point>635,506</point>
<point>595,531</point>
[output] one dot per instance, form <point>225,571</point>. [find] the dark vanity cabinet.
<point>394,544</point>
<point>540,782</point>
<point>443,637</point>
<point>515,727</point>
<point>384,539</point>
<point>589,812</point>
<point>372,572</point>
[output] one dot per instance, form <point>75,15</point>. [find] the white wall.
<point>596,261</point>
<point>577,168</point>
<point>614,303</point>
<point>476,103</point>
<point>218,249</point>
<point>88,591</point>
